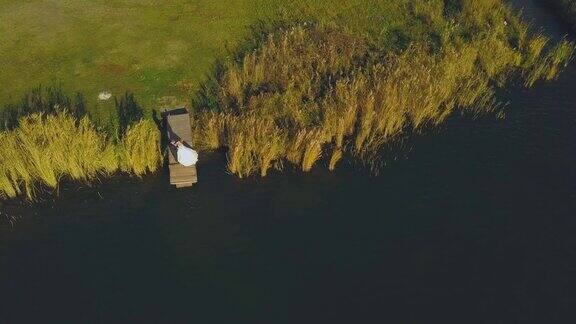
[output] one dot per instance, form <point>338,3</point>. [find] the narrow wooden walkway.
<point>179,129</point>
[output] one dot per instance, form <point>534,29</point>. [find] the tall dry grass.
<point>311,87</point>
<point>44,149</point>
<point>139,150</point>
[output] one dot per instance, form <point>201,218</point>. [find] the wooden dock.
<point>179,129</point>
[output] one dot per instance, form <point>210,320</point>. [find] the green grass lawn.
<point>160,50</point>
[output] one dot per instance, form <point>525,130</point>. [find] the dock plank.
<point>179,128</point>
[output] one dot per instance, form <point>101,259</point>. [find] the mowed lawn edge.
<point>162,52</point>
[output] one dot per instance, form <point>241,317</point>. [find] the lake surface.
<point>473,222</point>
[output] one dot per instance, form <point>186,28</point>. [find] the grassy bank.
<point>566,9</point>
<point>317,78</point>
<point>162,51</point>
<point>315,89</point>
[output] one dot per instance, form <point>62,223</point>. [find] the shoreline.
<point>280,103</point>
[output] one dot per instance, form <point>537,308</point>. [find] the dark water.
<point>474,224</point>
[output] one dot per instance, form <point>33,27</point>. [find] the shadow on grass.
<point>48,100</point>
